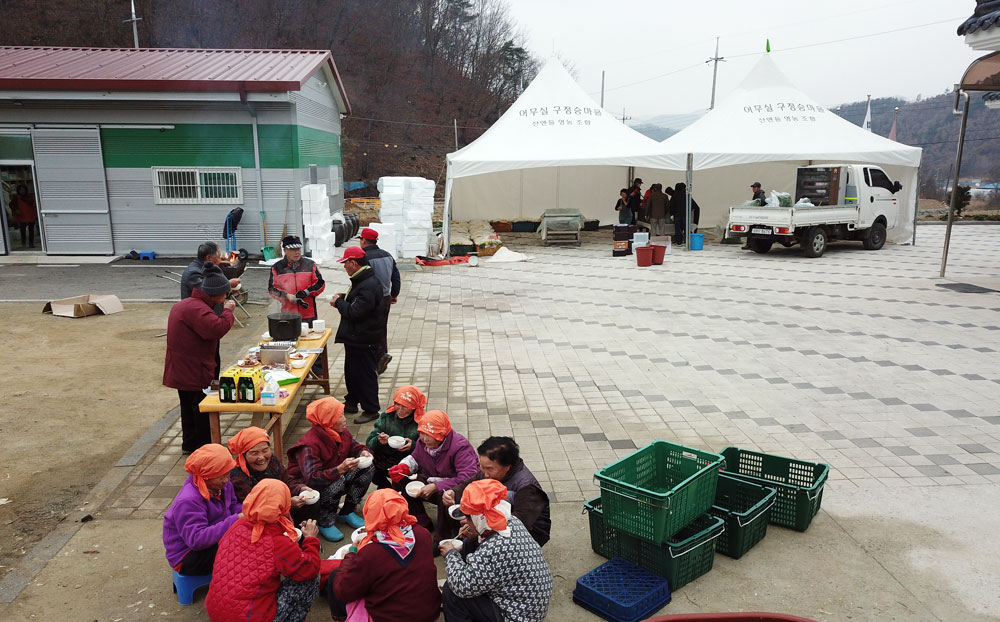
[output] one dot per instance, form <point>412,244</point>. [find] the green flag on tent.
<point>769,45</point>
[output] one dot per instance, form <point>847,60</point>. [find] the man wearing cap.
<point>361,330</point>
<point>758,195</point>
<point>193,333</point>
<point>295,280</point>
<point>384,265</point>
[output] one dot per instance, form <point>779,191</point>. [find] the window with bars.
<point>184,185</point>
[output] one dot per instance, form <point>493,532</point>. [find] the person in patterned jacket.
<point>506,579</point>
<point>295,281</point>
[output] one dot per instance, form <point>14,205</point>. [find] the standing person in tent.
<point>678,208</point>
<point>384,265</point>
<point>295,280</point>
<point>656,205</point>
<point>624,214</point>
<point>635,200</point>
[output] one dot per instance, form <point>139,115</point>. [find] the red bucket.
<point>644,256</point>
<point>659,252</point>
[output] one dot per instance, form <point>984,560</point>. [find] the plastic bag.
<point>780,199</point>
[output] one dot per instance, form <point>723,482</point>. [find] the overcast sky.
<point>635,41</point>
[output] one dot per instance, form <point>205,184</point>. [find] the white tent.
<point>767,128</point>
<point>554,148</point>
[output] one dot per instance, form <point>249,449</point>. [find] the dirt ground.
<point>64,424</point>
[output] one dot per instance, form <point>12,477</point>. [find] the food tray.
<point>620,591</point>
<point>746,508</point>
<point>799,484</point>
<point>655,491</point>
<point>688,554</point>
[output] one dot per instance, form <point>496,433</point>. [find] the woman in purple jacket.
<point>202,511</point>
<point>441,460</point>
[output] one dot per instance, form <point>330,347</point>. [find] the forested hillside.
<point>410,67</point>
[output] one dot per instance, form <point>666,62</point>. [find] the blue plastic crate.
<point>620,591</point>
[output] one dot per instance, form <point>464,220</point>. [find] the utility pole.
<point>715,70</point>
<point>135,31</point>
<point>456,134</point>
<point>623,117</point>
<point>602,89</point>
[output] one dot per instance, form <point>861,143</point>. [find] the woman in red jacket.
<point>392,575</point>
<point>253,556</point>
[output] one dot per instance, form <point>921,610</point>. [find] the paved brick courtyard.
<point>858,359</point>
<point>862,360</point>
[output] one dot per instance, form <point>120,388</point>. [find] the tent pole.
<point>958,166</point>
<point>446,223</point>
<point>689,182</point>
<point>916,208</point>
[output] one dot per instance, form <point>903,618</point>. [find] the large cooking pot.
<point>284,326</point>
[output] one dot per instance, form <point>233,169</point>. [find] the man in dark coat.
<point>678,208</point>
<point>384,265</point>
<point>361,330</point>
<point>758,193</point>
<point>193,333</point>
<point>635,199</point>
<point>193,275</point>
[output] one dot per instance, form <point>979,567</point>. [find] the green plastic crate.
<point>799,484</point>
<point>746,508</point>
<point>659,489</point>
<point>685,556</point>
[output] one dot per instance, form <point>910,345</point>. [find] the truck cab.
<point>831,202</point>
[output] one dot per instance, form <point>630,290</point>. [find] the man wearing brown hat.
<point>361,330</point>
<point>193,333</point>
<point>384,265</point>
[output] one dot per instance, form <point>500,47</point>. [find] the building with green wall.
<point>150,149</point>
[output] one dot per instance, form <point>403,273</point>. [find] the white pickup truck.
<point>848,202</point>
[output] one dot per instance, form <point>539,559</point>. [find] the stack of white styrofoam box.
<point>389,236</point>
<point>408,202</point>
<point>317,222</point>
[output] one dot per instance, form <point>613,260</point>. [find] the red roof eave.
<point>36,84</point>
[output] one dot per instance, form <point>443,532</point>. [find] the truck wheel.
<point>760,245</point>
<point>814,243</point>
<point>875,237</point>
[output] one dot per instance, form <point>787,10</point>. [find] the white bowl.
<point>397,442</point>
<point>364,462</point>
<point>413,488</point>
<point>319,326</point>
<point>311,496</point>
<point>298,363</point>
<point>266,336</point>
<point>455,542</point>
<point>342,551</point>
<point>358,535</point>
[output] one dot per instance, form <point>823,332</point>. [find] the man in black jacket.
<point>361,331</point>
<point>384,265</point>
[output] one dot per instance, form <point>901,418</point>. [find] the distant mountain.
<point>926,123</point>
<point>664,126</point>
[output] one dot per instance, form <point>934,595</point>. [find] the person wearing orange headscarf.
<point>506,577</point>
<point>255,553</point>
<point>202,511</point>
<point>392,574</point>
<point>326,458</point>
<point>441,460</point>
<point>255,462</point>
<point>399,420</point>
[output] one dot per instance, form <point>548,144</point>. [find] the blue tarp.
<point>354,185</point>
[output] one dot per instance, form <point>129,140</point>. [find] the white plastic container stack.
<point>317,222</point>
<point>390,236</point>
<point>409,203</point>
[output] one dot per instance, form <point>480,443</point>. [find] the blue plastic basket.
<point>620,591</point>
<point>697,241</point>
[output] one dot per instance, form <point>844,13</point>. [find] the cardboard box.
<point>82,306</point>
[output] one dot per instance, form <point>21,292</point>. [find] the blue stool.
<point>185,585</point>
<point>150,255</point>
